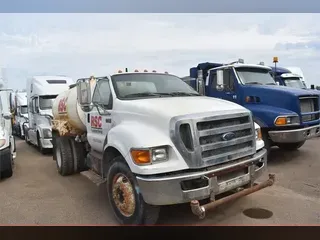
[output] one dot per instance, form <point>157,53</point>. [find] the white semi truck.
<point>155,141</point>
<point>20,112</point>
<point>41,91</point>
<point>7,141</point>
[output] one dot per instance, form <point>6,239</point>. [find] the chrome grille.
<point>207,147</point>
<point>309,104</point>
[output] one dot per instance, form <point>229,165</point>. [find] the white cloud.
<point>82,44</point>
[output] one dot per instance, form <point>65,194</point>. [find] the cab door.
<point>229,91</point>
<point>99,120</point>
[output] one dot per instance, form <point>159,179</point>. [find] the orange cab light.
<point>141,156</point>
<point>249,99</point>
<point>281,121</point>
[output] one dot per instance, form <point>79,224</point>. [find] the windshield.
<point>24,109</point>
<point>255,76</point>
<point>45,102</point>
<point>294,82</point>
<point>146,85</point>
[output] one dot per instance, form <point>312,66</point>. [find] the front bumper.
<point>296,135</point>
<point>168,190</point>
<point>5,159</point>
<point>46,142</point>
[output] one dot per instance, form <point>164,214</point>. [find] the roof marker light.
<point>261,63</point>
<point>145,70</point>
<point>166,72</point>
<point>154,71</point>
<point>136,70</point>
<point>240,60</point>
<point>119,71</point>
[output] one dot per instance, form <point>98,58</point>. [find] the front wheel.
<point>267,141</point>
<point>127,203</point>
<point>290,146</point>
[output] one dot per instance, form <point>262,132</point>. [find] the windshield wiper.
<point>254,83</point>
<point>183,94</point>
<point>142,94</point>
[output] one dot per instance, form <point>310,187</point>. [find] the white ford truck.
<point>155,141</point>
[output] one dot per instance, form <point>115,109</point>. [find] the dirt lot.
<point>36,194</point>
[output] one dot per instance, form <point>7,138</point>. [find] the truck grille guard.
<point>212,138</point>
<point>200,211</point>
<point>309,108</point>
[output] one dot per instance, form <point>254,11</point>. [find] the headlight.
<point>149,156</point>
<point>2,142</point>
<point>47,133</point>
<point>290,120</point>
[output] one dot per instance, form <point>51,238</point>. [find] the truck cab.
<point>41,92</point>
<point>20,112</point>
<point>7,141</point>
<point>155,141</point>
<point>287,116</point>
<point>284,77</point>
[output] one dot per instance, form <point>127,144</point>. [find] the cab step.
<point>92,176</point>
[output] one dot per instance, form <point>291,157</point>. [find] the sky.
<point>80,45</point>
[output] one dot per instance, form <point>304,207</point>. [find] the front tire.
<point>267,141</point>
<point>290,146</point>
<point>40,147</point>
<point>125,199</point>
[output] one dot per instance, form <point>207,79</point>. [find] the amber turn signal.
<point>141,156</point>
<point>281,121</point>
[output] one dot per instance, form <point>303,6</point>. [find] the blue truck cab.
<point>287,116</point>
<point>285,77</point>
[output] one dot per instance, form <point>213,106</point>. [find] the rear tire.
<point>64,156</point>
<point>290,146</point>
<point>78,156</point>
<point>128,207</point>
<point>8,172</point>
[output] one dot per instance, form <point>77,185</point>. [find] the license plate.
<point>233,183</point>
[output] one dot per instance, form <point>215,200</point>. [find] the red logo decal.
<point>62,107</point>
<point>96,121</point>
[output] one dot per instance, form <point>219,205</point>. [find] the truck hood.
<point>165,108</point>
<point>282,90</point>
<point>278,96</point>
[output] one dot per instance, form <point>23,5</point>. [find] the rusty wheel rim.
<point>123,195</point>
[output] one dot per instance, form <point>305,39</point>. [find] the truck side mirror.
<point>220,80</point>
<point>84,92</point>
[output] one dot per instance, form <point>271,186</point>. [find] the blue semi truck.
<point>285,77</point>
<point>287,116</point>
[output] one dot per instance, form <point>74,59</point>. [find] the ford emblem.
<point>228,136</point>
